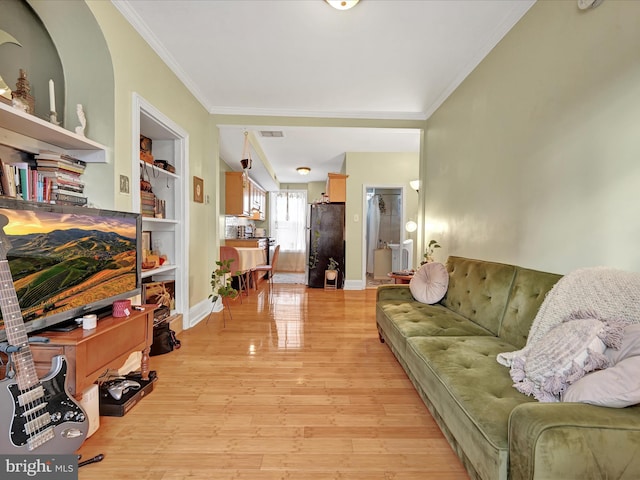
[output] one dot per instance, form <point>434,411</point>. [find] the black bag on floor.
<point>164,340</point>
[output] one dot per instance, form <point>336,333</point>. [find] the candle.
<point>52,97</point>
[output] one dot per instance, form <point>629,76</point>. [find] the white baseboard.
<point>200,311</point>
<point>354,285</point>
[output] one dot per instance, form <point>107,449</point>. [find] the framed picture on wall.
<point>198,190</point>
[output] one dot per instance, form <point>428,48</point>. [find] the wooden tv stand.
<point>90,353</point>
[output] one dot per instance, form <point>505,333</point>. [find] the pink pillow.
<point>614,387</point>
<point>429,284</point>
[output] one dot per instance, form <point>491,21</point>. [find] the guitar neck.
<point>16,332</point>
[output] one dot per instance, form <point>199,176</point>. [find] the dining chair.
<point>268,269</point>
<point>230,253</point>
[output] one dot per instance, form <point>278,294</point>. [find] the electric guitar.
<point>36,415</point>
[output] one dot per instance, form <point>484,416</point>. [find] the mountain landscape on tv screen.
<point>65,269</point>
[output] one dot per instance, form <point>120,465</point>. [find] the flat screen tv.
<point>68,261</point>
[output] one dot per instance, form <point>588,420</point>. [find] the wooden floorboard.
<point>296,386</point>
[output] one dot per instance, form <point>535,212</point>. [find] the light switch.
<point>356,218</point>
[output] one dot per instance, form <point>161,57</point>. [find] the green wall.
<point>535,158</point>
<point>374,169</point>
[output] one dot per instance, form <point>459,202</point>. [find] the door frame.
<point>403,236</point>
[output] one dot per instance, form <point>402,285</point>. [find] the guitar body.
<point>44,420</point>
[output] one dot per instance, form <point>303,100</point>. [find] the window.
<point>288,219</point>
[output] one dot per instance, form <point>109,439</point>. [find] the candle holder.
<point>53,118</point>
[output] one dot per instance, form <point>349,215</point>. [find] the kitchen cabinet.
<point>244,197</point>
<point>337,187</point>
<point>236,194</point>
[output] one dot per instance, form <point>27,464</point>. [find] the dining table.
<point>251,257</point>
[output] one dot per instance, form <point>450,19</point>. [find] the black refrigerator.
<point>325,239</point>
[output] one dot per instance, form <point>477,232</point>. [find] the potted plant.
<point>221,284</point>
<point>332,269</point>
<point>428,256</point>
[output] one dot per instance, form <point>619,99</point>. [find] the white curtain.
<point>288,227</point>
<point>373,227</point>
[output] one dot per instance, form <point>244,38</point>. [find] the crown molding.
<point>267,112</point>
<point>124,7</point>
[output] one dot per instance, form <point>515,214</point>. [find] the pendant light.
<point>246,153</point>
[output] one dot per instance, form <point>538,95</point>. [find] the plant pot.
<point>332,274</point>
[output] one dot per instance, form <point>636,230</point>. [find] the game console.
<point>119,388</point>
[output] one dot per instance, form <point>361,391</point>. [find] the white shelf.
<point>157,172</point>
<point>23,130</point>
<point>160,220</point>
<point>158,270</point>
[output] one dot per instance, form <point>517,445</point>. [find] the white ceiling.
<point>383,59</point>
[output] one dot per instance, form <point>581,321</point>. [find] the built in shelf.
<point>157,171</point>
<point>160,221</point>
<point>25,131</point>
<point>158,270</point>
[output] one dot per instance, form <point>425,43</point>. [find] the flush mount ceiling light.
<point>303,170</point>
<point>342,4</point>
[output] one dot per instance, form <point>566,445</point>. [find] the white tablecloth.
<point>251,257</point>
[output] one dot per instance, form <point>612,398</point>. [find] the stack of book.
<point>151,206</point>
<point>61,178</point>
<point>148,204</point>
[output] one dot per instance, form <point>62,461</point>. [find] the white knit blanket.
<point>608,293</point>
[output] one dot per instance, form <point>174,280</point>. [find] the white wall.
<point>535,158</point>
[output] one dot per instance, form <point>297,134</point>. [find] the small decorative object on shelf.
<point>53,116</point>
<point>21,96</point>
<point>82,119</point>
<point>146,149</point>
<point>121,308</point>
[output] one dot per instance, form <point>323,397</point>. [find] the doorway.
<point>383,231</point>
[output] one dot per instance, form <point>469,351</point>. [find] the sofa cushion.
<point>529,290</point>
<point>429,284</point>
<point>471,392</point>
<point>479,290</point>
<point>401,319</point>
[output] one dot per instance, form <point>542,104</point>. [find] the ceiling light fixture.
<point>303,170</point>
<point>246,153</point>
<point>342,4</point>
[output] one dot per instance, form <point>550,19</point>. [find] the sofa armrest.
<point>573,441</point>
<point>394,292</point>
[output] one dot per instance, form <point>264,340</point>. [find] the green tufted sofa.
<point>449,350</point>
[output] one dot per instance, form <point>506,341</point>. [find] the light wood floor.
<point>297,389</point>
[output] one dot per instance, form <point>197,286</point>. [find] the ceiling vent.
<point>271,133</point>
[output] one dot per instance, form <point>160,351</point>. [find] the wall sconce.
<point>415,184</point>
<point>411,226</point>
<point>303,170</point>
